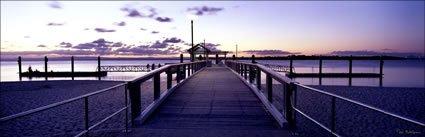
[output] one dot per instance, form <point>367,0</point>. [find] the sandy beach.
<point>66,120</point>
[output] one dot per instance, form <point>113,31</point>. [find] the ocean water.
<point>397,73</point>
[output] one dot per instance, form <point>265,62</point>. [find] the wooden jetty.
<point>335,75</point>
<point>221,100</point>
<point>64,74</point>
<point>206,106</point>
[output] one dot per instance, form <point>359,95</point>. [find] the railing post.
<point>253,58</point>
<point>251,74</point>
<point>258,78</point>
<point>216,58</point>
<point>86,104</point>
<point>184,71</point>
<point>20,67</point>
<point>45,66</point>
<point>233,57</point>
<point>156,86</point>
<point>178,74</point>
<point>381,67</point>
<point>153,66</point>
<point>72,67</point>
<point>134,90</point>
<point>269,87</point>
<point>245,71</point>
<point>126,106</point>
<point>193,66</point>
<point>288,106</point>
<point>333,114</point>
<point>169,78</point>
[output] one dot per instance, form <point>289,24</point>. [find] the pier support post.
<point>45,66</point>
<point>253,59</point>
<point>290,65</point>
<point>20,67</point>
<point>320,65</point>
<point>156,86</point>
<point>269,84</point>
<point>351,65</point>
<point>233,57</point>
<point>351,70</point>
<point>72,67</point>
<point>181,58</point>
<point>98,66</point>
<point>381,68</point>
<point>153,66</point>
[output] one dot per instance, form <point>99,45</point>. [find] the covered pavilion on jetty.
<point>204,52</point>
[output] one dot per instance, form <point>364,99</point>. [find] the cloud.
<point>65,45</point>
<point>100,47</point>
<point>41,46</point>
<point>270,52</point>
<point>143,29</point>
<point>199,11</point>
<point>27,37</point>
<point>155,32</point>
<point>145,50</point>
<point>122,23</point>
<point>54,24</point>
<point>55,4</point>
<point>374,53</point>
<point>158,44</point>
<point>172,40</point>
<point>138,11</point>
<point>103,30</point>
<point>163,19</point>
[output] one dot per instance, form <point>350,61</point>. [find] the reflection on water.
<point>397,73</point>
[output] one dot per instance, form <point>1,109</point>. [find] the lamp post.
<point>192,54</point>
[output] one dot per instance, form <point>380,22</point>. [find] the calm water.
<point>397,73</point>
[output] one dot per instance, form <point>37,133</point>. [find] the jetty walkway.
<point>206,106</point>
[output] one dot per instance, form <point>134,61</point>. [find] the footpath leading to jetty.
<point>212,103</point>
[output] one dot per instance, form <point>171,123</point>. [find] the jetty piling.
<point>20,67</point>
<point>72,67</point>
<point>98,66</point>
<point>45,66</point>
<point>181,58</point>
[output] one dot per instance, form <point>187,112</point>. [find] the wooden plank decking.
<point>212,103</point>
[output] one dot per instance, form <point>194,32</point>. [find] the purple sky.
<point>162,28</point>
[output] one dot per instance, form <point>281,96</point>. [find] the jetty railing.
<point>251,74</point>
<point>182,70</point>
<point>86,109</point>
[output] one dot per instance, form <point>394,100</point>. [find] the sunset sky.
<point>162,28</point>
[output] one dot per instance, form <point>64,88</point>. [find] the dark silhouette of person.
<point>29,69</point>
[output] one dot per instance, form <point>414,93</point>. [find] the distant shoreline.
<point>298,57</point>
